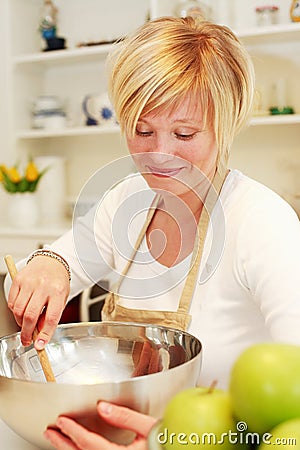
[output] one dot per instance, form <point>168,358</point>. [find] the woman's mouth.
<point>163,172</point>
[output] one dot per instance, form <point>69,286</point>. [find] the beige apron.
<point>180,319</point>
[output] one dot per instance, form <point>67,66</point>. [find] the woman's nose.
<point>158,157</point>
<point>162,150</point>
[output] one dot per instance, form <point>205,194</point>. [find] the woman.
<point>228,271</point>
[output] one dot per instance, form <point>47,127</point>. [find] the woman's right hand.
<point>37,297</point>
<point>69,435</point>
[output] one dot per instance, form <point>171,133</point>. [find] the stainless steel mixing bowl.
<point>140,366</point>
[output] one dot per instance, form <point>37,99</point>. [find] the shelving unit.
<point>252,36</point>
<point>27,72</point>
<point>69,74</point>
<point>77,71</point>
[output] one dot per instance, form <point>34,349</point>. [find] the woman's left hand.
<point>73,436</point>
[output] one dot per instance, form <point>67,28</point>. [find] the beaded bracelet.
<point>54,255</point>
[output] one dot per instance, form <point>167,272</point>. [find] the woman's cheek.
<point>135,147</point>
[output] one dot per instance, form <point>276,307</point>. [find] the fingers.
<point>155,362</point>
<point>136,352</point>
<point>49,321</point>
<point>26,307</point>
<point>58,440</point>
<point>27,310</point>
<point>72,436</point>
<point>177,355</point>
<point>143,360</point>
<point>146,359</point>
<point>41,285</point>
<point>13,293</point>
<point>126,418</point>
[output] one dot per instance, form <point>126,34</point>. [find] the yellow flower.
<point>13,174</point>
<point>2,170</point>
<point>32,172</point>
<point>26,180</point>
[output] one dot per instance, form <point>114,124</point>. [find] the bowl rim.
<point>109,322</point>
<point>120,382</point>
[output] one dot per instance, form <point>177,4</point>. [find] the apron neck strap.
<point>138,242</point>
<point>202,227</point>
<point>210,201</point>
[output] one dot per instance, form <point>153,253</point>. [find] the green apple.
<point>199,417</point>
<point>265,385</point>
<point>285,435</point>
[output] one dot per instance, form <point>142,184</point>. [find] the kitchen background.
<point>54,106</point>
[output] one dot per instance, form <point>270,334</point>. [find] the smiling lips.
<point>163,173</point>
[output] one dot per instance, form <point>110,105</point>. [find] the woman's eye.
<point>143,133</point>
<point>185,137</point>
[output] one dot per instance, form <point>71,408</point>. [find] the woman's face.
<point>172,149</point>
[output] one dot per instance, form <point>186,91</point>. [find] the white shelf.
<point>270,34</point>
<point>283,119</point>
<point>63,56</point>
<point>280,119</point>
<point>76,131</point>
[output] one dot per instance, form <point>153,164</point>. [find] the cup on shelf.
<point>48,113</point>
<point>266,15</point>
<point>51,120</point>
<point>46,103</point>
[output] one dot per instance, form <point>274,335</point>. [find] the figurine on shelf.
<point>295,11</point>
<point>48,21</point>
<point>48,27</point>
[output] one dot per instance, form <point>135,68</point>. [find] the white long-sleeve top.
<point>248,287</point>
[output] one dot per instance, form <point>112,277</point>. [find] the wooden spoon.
<point>43,357</point>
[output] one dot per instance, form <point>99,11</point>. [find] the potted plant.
<point>21,185</point>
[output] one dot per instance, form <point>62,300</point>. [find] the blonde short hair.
<point>169,57</point>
